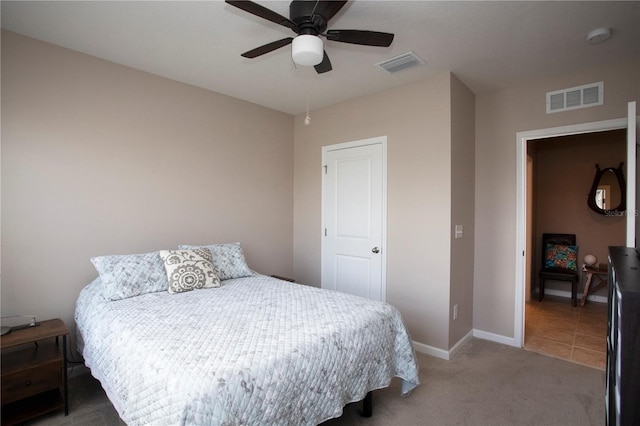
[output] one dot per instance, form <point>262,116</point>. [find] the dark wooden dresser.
<point>34,371</point>
<point>623,338</point>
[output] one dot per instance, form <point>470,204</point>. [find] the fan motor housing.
<point>300,13</point>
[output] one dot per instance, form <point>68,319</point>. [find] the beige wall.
<point>99,159</point>
<point>564,170</point>
<point>416,119</point>
<point>462,208</point>
<point>499,116</point>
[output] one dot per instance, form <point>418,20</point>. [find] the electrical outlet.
<point>455,312</point>
<point>458,231</point>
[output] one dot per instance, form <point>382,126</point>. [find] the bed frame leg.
<point>367,405</point>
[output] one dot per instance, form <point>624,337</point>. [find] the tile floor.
<point>554,327</point>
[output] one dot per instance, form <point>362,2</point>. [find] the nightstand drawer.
<point>25,383</point>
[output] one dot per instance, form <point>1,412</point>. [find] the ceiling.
<point>488,45</point>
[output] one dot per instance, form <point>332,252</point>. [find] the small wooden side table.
<point>33,374</point>
<point>600,273</point>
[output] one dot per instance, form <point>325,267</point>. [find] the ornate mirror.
<point>608,192</point>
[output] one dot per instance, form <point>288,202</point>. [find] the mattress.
<point>255,351</point>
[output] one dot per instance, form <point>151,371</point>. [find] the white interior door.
<point>353,206</point>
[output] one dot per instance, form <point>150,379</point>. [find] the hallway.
<point>554,327</point>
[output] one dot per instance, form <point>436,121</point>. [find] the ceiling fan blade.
<point>262,12</point>
<point>269,47</point>
<point>325,65</point>
<point>367,38</point>
<point>328,9</point>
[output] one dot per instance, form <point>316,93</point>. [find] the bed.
<point>251,350</point>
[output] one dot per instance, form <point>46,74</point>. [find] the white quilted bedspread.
<point>256,351</point>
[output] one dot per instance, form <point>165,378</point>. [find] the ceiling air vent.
<point>575,97</point>
<point>401,62</point>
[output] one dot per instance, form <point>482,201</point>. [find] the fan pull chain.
<point>307,119</point>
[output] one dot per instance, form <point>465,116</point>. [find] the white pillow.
<point>130,275</point>
<point>189,269</point>
<point>228,260</point>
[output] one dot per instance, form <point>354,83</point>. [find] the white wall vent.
<point>575,97</point>
<point>401,62</point>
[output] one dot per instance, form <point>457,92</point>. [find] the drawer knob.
<point>28,383</point>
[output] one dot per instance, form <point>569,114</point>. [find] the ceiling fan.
<point>308,19</point>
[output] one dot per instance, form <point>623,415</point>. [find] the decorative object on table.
<point>590,260</point>
<point>17,322</point>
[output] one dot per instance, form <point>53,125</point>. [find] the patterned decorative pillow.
<point>228,260</point>
<point>130,275</point>
<point>189,269</point>
<point>561,256</point>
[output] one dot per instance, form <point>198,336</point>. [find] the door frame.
<point>521,213</point>
<point>378,140</point>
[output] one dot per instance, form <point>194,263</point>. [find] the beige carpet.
<point>484,384</point>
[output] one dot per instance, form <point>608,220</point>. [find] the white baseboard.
<point>430,350</point>
<point>567,294</point>
<point>455,348</point>
<point>498,338</point>
<point>441,353</point>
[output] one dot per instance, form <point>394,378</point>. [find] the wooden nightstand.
<point>34,371</point>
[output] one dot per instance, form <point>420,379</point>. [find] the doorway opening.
<point>524,245</point>
<point>561,172</point>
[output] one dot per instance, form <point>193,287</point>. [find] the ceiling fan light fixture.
<point>307,50</point>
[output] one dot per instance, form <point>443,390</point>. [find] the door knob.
<point>375,250</point>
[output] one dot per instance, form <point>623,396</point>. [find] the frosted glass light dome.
<point>307,50</point>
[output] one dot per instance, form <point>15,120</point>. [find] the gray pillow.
<point>189,269</point>
<point>228,260</point>
<point>130,275</point>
